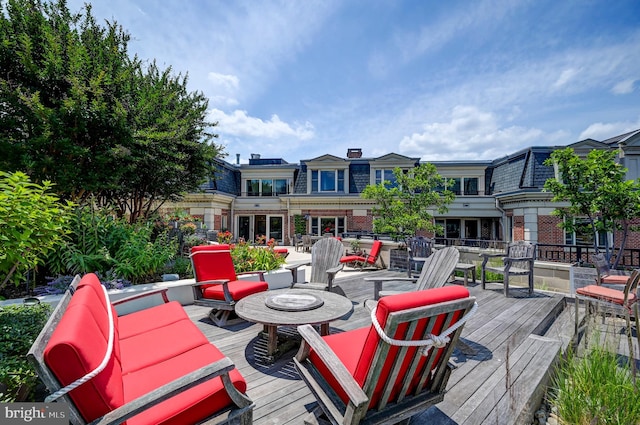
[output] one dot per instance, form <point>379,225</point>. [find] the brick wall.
<point>548,230</point>
<point>518,227</point>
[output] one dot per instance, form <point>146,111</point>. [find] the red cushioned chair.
<point>375,376</point>
<point>612,301</point>
<point>368,260</point>
<point>217,283</point>
<point>604,272</point>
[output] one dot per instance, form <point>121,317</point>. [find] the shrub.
<point>247,258</point>
<point>19,327</point>
<point>100,243</point>
<point>33,222</point>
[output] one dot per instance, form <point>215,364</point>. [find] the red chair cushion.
<point>145,320</point>
<point>352,259</point>
<point>77,346</point>
<point>188,407</point>
<point>606,294</point>
<point>615,279</point>
<point>213,262</point>
<point>158,345</point>
<point>238,289</point>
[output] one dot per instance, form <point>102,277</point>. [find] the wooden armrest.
<point>211,282</point>
<point>377,283</point>
<point>295,266</point>
<point>510,259</point>
<point>333,270</point>
<point>220,368</point>
<point>311,339</point>
<point>162,292</point>
<point>486,255</point>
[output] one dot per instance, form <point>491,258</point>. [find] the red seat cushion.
<point>352,259</point>
<point>188,407</point>
<point>157,345</point>
<point>238,289</point>
<point>606,294</point>
<point>150,318</point>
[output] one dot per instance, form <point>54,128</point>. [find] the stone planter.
<point>278,279</point>
<point>581,276</point>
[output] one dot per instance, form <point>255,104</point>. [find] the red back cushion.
<point>375,251</point>
<point>78,345</point>
<point>394,303</point>
<point>211,262</point>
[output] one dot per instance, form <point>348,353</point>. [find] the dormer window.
<point>327,180</point>
<point>386,175</point>
<point>266,187</point>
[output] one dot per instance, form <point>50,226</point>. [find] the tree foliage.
<point>404,208</point>
<point>80,112</point>
<point>33,223</point>
<point>597,190</point>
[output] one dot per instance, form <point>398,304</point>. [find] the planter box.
<point>278,279</point>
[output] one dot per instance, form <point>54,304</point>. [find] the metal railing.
<point>556,253</point>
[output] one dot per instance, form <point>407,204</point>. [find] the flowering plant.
<point>225,237</point>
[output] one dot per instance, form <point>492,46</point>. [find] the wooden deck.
<point>502,365</point>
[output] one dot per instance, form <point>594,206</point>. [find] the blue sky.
<point>438,80</point>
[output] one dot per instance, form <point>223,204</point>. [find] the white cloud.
<point>239,123</point>
<point>565,77</point>
<point>224,81</point>
<point>602,131</point>
<point>624,87</point>
<point>472,134</point>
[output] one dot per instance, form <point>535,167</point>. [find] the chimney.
<point>354,153</point>
<point>237,159</point>
<point>255,156</point>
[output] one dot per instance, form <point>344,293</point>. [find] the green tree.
<point>597,191</point>
<point>33,222</point>
<point>404,208</point>
<point>78,111</point>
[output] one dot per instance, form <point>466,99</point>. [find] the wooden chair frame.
<point>387,410</point>
<point>418,250</point>
<point>518,259</point>
<point>325,264</point>
<point>436,272</point>
<point>367,259</point>
<point>629,305</point>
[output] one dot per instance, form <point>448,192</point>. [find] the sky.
<point>436,80</point>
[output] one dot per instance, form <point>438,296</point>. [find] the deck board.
<point>478,390</point>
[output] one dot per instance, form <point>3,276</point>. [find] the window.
<point>266,187</point>
<point>583,234</point>
<point>322,225</point>
<point>386,175</point>
<point>327,180</point>
<point>453,184</point>
<point>470,185</point>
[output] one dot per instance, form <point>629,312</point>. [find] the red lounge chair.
<point>217,283</point>
<point>390,373</point>
<point>370,259</point>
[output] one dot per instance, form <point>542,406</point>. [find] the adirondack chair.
<point>367,260</point>
<point>325,263</point>
<point>391,370</point>
<point>435,273</point>
<point>217,285</point>
<point>518,260</point>
<point>604,272</point>
<point>418,249</point>
<point>614,301</point>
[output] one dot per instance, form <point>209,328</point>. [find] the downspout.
<point>288,234</point>
<point>502,219</point>
<point>233,217</point>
